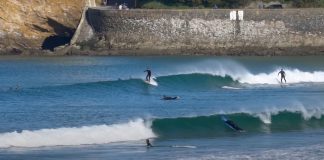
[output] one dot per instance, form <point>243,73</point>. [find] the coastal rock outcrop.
<point>29,26</point>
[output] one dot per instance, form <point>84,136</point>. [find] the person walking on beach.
<point>282,75</point>
<point>149,74</point>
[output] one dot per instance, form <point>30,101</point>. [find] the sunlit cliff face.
<point>26,24</point>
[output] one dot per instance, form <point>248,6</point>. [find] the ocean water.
<point>87,108</point>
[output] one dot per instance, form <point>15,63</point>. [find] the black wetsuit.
<point>233,125</point>
<point>169,98</point>
<point>148,144</point>
<point>148,76</point>
<point>283,75</point>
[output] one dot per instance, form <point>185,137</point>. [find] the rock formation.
<point>27,26</point>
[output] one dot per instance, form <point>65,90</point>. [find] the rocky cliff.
<point>35,26</point>
<point>28,26</point>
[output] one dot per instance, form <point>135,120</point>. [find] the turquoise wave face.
<point>106,90</point>
<point>214,126</point>
<point>100,107</point>
<point>196,81</point>
<point>183,81</point>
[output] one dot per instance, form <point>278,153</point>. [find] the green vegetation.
<point>180,4</point>
<point>308,3</point>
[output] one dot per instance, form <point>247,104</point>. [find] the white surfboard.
<point>282,84</point>
<point>151,82</point>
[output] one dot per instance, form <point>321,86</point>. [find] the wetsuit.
<point>169,98</point>
<point>148,144</point>
<point>283,75</point>
<point>148,76</point>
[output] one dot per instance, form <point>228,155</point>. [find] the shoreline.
<point>251,51</point>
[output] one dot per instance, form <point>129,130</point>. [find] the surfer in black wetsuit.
<point>148,76</point>
<point>231,124</point>
<point>170,98</point>
<point>148,144</point>
<point>282,75</point>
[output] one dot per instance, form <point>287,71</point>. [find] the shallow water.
<point>100,108</point>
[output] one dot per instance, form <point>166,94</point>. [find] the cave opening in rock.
<point>62,36</point>
<point>52,42</point>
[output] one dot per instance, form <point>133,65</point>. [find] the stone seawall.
<point>216,32</point>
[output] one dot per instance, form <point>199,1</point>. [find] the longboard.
<point>232,125</point>
<point>282,84</point>
<point>151,82</point>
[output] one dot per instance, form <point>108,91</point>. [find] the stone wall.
<point>255,32</point>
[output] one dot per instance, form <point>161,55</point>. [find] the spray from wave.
<point>237,72</point>
<point>179,127</point>
<point>292,76</point>
<point>226,74</point>
<point>263,122</point>
<point>99,134</point>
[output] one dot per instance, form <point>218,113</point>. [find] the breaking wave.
<point>213,126</point>
<point>98,134</point>
<point>178,127</point>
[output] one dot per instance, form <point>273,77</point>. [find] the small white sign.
<point>239,13</point>
<point>233,15</point>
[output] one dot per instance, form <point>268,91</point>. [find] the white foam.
<point>177,146</point>
<point>98,134</point>
<point>241,74</point>
<point>265,113</point>
<point>307,114</point>
<point>265,117</point>
<point>151,82</point>
<point>292,76</point>
<point>229,87</point>
<point>238,72</point>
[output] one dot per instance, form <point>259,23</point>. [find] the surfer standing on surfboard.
<point>283,75</point>
<point>148,76</point>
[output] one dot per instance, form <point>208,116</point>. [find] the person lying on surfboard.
<point>148,76</point>
<point>170,98</point>
<point>282,75</point>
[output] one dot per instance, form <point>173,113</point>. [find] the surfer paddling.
<point>170,98</point>
<point>149,74</point>
<point>231,124</point>
<point>148,143</point>
<point>282,75</point>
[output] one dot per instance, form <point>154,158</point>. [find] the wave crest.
<point>99,134</point>
<point>211,126</point>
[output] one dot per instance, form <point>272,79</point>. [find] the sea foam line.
<point>98,134</point>
<point>292,76</point>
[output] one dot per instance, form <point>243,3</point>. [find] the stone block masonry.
<point>212,32</point>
